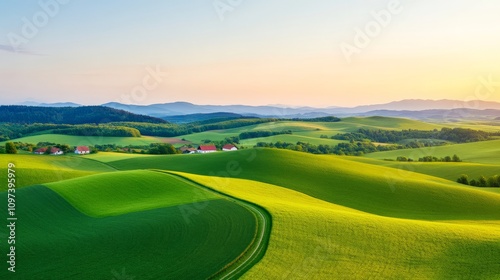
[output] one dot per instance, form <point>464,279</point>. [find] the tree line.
<point>261,133</point>
<point>453,158</point>
<point>482,181</point>
<point>352,149</point>
<point>457,135</point>
<point>10,131</point>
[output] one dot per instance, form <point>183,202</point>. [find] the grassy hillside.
<point>480,152</point>
<point>189,241</point>
<point>326,241</point>
<point>351,184</point>
<point>143,190</point>
<point>39,169</point>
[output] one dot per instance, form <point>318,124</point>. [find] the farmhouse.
<point>187,150</point>
<point>40,151</point>
<point>229,147</point>
<point>203,149</point>
<point>82,150</point>
<point>53,151</point>
<point>56,151</point>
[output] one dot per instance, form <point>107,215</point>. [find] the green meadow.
<point>259,213</point>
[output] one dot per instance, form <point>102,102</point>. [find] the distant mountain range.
<point>409,108</point>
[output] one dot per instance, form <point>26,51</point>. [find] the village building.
<point>203,149</point>
<point>53,151</point>
<point>229,147</point>
<point>187,150</point>
<point>82,150</point>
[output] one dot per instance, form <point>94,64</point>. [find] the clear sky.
<point>254,52</point>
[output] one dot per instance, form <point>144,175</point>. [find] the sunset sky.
<point>253,52</point>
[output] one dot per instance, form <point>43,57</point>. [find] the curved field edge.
<point>154,244</point>
<point>326,241</point>
<point>257,249</point>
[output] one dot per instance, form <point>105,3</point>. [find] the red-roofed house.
<point>40,151</point>
<point>229,147</point>
<point>82,150</point>
<point>53,151</point>
<point>56,151</point>
<point>203,149</point>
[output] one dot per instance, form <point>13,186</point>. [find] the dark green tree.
<point>482,182</point>
<point>463,179</point>
<point>10,148</point>
<point>456,158</point>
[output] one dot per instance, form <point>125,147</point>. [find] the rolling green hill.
<point>151,230</point>
<point>144,190</point>
<point>351,184</point>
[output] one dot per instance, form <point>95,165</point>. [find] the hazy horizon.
<point>314,53</point>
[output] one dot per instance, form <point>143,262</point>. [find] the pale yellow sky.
<point>259,53</point>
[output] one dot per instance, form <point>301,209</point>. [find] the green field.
<point>161,229</point>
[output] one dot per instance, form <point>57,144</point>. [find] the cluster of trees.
<point>453,158</point>
<point>99,130</point>
<point>70,115</point>
<point>353,149</point>
<point>12,131</point>
<point>482,181</point>
<point>162,149</point>
<point>261,133</point>
<point>458,135</point>
<point>10,148</point>
<point>319,119</point>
